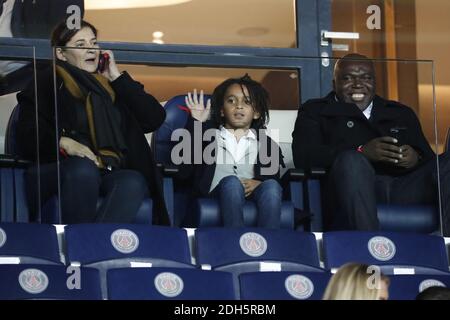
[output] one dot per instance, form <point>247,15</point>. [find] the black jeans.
<point>82,183</point>
<point>355,190</point>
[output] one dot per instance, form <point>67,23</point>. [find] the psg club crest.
<point>33,281</point>
<point>2,237</point>
<point>124,241</point>
<point>169,284</point>
<point>381,248</point>
<point>299,287</point>
<point>253,244</point>
<point>425,284</point>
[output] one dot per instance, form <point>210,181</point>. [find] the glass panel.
<point>398,80</point>
<point>204,22</point>
<point>163,83</point>
<point>18,134</point>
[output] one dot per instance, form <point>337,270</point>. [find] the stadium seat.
<point>108,246</point>
<point>241,250</point>
<point>394,252</point>
<point>204,211</point>
<point>407,287</point>
<point>283,285</point>
<point>115,245</point>
<point>244,249</point>
<point>400,218</point>
<point>169,284</point>
<point>29,243</point>
<point>31,281</point>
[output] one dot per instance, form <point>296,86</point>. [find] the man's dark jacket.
<point>325,127</point>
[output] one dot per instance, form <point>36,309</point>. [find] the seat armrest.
<point>169,170</point>
<point>317,173</point>
<point>9,161</point>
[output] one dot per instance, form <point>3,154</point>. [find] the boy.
<point>245,161</point>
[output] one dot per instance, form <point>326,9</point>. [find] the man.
<point>28,19</point>
<point>373,149</point>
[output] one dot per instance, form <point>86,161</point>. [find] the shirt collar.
<point>367,112</point>
<point>227,134</point>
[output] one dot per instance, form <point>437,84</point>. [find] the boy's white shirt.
<point>240,155</point>
<point>238,149</point>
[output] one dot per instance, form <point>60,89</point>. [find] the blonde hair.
<point>352,282</point>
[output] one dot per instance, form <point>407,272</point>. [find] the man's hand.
<point>74,148</point>
<point>410,157</point>
<point>250,185</point>
<point>383,150</point>
<point>197,106</point>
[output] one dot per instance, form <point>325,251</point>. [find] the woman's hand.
<point>197,106</point>
<point>74,148</point>
<point>111,71</point>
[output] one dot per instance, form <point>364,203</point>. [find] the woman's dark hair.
<point>62,34</point>
<point>258,96</point>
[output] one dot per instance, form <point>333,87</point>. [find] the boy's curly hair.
<point>258,97</point>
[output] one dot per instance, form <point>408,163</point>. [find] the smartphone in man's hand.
<point>398,133</point>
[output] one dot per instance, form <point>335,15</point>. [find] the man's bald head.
<point>354,80</point>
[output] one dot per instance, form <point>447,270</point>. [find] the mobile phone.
<point>103,61</point>
<point>397,133</point>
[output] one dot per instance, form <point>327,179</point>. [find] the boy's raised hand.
<point>196,103</point>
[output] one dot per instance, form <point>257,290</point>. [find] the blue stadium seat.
<point>240,250</point>
<point>400,218</point>
<point>109,246</point>
<point>115,245</point>
<point>243,249</point>
<point>30,281</point>
<point>204,211</point>
<point>169,284</point>
<point>29,243</point>
<point>407,287</point>
<point>394,252</point>
<point>283,285</point>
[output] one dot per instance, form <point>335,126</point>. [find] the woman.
<point>355,281</point>
<point>102,118</point>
